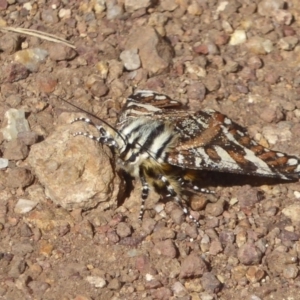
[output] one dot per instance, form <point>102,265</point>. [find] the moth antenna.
<point>96,117</point>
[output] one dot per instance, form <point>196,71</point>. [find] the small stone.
<point>161,293</point>
<point>227,27</point>
<point>28,137</point>
<point>168,5</point>
<point>96,281</point>
<point>17,267</point>
<point>163,234</point>
<point>177,215</point>
<point>288,43</point>
<point>198,203</point>
<point>238,272</point>
<point>215,209</point>
<point>64,13</point>
<point>212,83</point>
<point>31,58</point>
<point>259,45</point>
<point>283,16</point>
<point>132,5</point>
<point>114,284</point>
<point>15,123</point>
<point>21,249</point>
<point>238,37</point>
<point>38,288</point>
<point>123,229</point>
<point>297,194</point>
<point>23,206</point>
<point>18,177</point>
<point>290,271</point>
<point>59,52</point>
<point>231,66</point>
<point>178,289</point>
<point>200,48</point>
<point>99,6</point>
<point>99,88</point>
<point>268,7</point>
<point>45,248</point>
<point>194,285</point>
<point>247,196</point>
<point>46,83</point>
<point>15,150</point>
<point>131,59</point>
<point>112,237</point>
<point>192,266</point>
<point>288,30</point>
<point>226,237</point>
<point>191,231</point>
<point>249,254</point>
<point>255,63</point>
<point>292,211</point>
<point>3,163</point>
<point>102,67</point>
<point>255,274</point>
<point>14,72</point>
<point>210,283</point>
<point>113,10</point>
<point>196,91</point>
<point>195,9</point>
<point>215,247</point>
<point>9,43</point>
<point>49,16</point>
<point>155,53</point>
<point>165,248</point>
<point>195,69</point>
<point>3,5</point>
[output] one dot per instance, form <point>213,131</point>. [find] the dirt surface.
<point>67,229</point>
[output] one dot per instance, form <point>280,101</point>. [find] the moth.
<point>164,145</point>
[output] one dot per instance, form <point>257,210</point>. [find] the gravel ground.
<point>69,227</point>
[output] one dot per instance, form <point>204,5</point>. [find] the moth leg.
<point>145,193</point>
<point>105,137</point>
<point>189,185</point>
<point>175,196</point>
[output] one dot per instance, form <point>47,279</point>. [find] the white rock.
<point>64,13</point>
<point>149,277</point>
<point>292,212</point>
<point>227,27</point>
<point>99,6</point>
<point>297,194</point>
<point>3,163</point>
<point>31,58</point>
<point>130,59</point>
<point>23,206</point>
<point>195,69</point>
<point>113,10</point>
<point>238,37</point>
<point>283,17</point>
<point>132,5</point>
<point>27,6</point>
<point>96,281</point>
<point>268,46</point>
<point>16,123</point>
<point>267,7</point>
<point>159,207</point>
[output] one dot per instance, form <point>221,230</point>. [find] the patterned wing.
<point>146,103</point>
<point>210,140</point>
